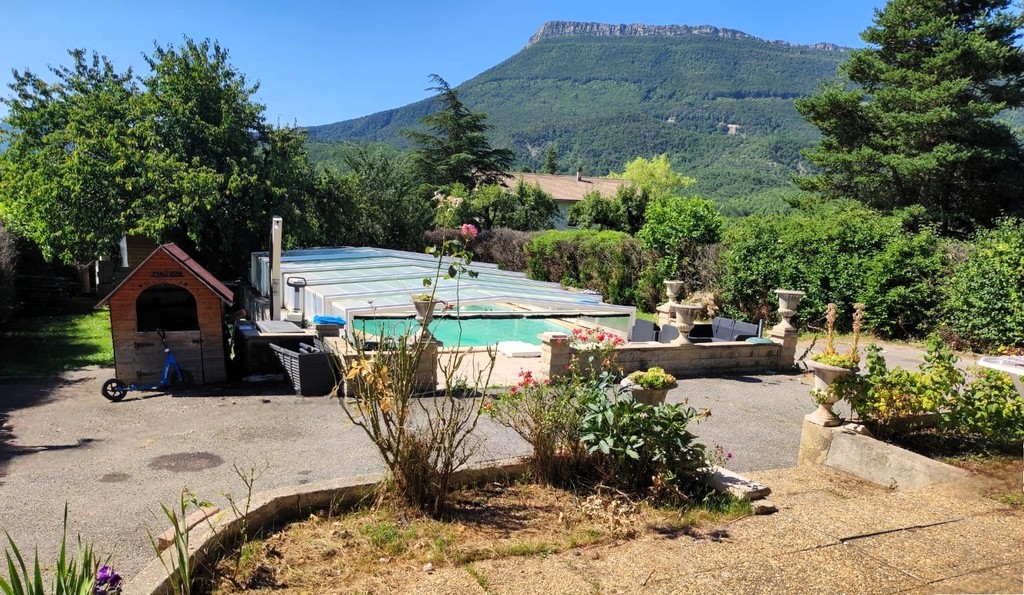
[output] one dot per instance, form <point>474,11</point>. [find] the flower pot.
<point>824,376</point>
<point>672,288</point>
<point>788,300</point>
<point>424,311</point>
<point>686,315</point>
<point>648,396</point>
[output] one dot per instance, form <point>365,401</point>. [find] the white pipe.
<point>275,268</point>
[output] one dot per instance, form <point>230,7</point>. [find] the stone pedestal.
<point>426,367</point>
<point>554,354</point>
<point>784,332</point>
<point>666,317</point>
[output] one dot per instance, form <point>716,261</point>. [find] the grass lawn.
<point>50,345</point>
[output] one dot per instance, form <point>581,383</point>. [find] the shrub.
<point>677,229</point>
<point>983,300</point>
<point>644,448</point>
<point>982,404</point>
<point>546,414</point>
<point>605,261</point>
<point>841,253</point>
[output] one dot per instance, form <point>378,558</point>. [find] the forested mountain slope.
<point>720,102</point>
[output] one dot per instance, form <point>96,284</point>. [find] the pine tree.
<point>456,150</point>
<point>919,126</point>
<point>551,160</point>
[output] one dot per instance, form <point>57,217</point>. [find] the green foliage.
<point>456,149</point>
<point>839,253</point>
<point>654,378</point>
<point>985,405</point>
<point>71,576</point>
<point>524,207</point>
<point>655,176</point>
<point>551,160</point>
<point>596,211</point>
<point>606,261</point>
<point>603,101</point>
<point>185,157</point>
<point>983,299</point>
<point>920,127</point>
<point>675,228</point>
<point>547,416</point>
<point>178,566</point>
<point>71,173</point>
<point>641,447</point>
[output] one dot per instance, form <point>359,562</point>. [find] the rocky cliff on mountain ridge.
<point>577,29</point>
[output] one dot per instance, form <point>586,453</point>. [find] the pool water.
<point>474,332</point>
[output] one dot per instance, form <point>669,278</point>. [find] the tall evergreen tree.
<point>551,160</point>
<point>456,150</point>
<point>919,126</point>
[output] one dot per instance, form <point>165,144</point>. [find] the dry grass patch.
<point>388,549</point>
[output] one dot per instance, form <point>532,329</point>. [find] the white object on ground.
<point>518,349</point>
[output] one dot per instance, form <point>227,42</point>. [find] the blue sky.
<point>318,62</point>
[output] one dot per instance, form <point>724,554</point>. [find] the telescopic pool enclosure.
<point>363,284</point>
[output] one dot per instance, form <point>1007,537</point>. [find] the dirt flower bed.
<point>386,549</point>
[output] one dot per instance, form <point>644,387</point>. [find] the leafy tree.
<point>655,176</point>
<point>186,157</point>
<point>919,126</point>
<point>551,160</point>
<point>73,167</point>
<point>456,149</point>
<point>634,201</point>
<point>387,209</point>
<point>676,229</point>
<point>524,207</point>
<point>596,211</point>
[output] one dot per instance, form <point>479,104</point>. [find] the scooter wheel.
<point>114,389</point>
<point>186,379</point>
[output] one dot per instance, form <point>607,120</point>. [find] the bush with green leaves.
<point>837,252</point>
<point>605,261</point>
<point>983,299</point>
<point>981,404</point>
<point>676,229</point>
<point>642,447</point>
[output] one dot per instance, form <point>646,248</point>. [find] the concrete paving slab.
<point>935,553</point>
<point>1003,580</point>
<point>834,569</point>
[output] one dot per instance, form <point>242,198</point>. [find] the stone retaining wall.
<point>678,358</point>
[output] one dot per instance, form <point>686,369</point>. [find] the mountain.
<point>719,101</point>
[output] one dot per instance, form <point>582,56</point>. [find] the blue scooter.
<point>174,376</point>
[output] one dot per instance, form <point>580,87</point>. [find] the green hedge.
<point>984,297</point>
<point>841,253</point>
<point>606,261</point>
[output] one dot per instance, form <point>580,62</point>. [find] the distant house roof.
<point>186,261</point>
<point>568,187</point>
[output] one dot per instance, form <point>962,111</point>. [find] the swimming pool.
<point>474,332</point>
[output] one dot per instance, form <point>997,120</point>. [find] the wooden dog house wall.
<point>168,291</point>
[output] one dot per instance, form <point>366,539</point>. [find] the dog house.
<point>171,292</point>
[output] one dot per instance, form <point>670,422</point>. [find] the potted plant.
<point>424,304</point>
<point>649,386</point>
<point>832,370</point>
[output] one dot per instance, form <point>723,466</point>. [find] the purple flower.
<point>107,582</point>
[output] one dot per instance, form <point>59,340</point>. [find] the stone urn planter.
<point>788,301</point>
<point>424,310</point>
<point>686,316</point>
<point>672,288</point>
<point>826,396</point>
